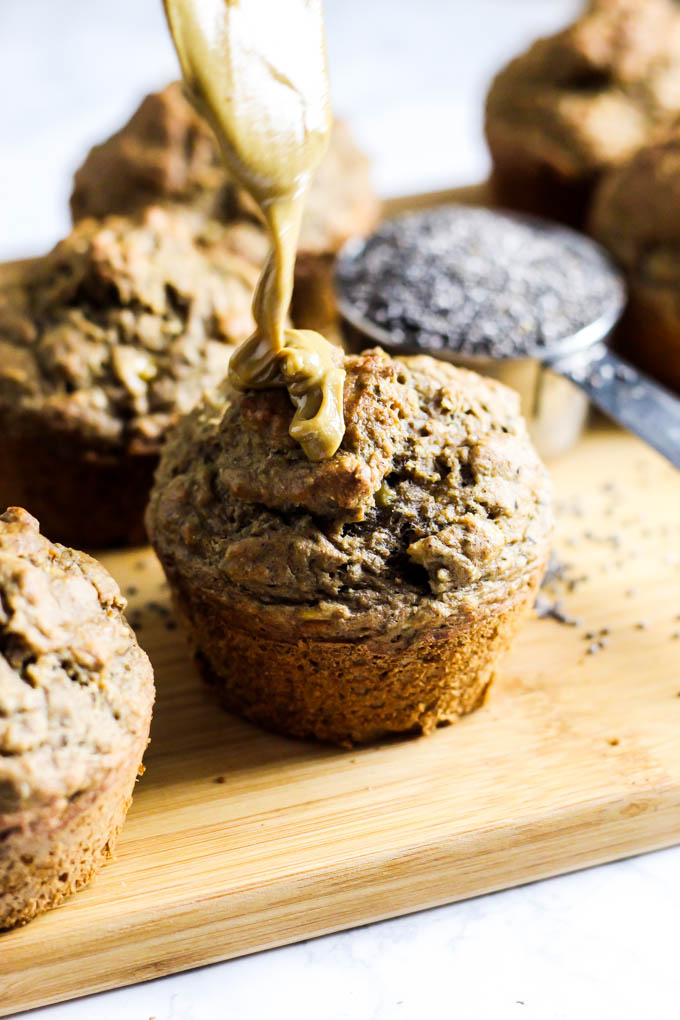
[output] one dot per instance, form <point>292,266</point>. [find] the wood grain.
<point>239,840</point>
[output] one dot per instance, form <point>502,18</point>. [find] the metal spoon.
<point>554,408</point>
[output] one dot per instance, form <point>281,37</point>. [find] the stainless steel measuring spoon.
<point>556,381</point>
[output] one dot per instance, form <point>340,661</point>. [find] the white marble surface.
<point>410,75</point>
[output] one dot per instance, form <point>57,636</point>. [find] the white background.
<point>410,75</point>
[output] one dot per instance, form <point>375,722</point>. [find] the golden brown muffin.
<point>371,593</point>
<point>103,344</point>
<point>76,692</point>
<point>636,216</point>
<point>581,101</point>
<point>168,153</point>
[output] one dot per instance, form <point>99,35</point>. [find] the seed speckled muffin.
<point>76,692</point>
<point>103,344</point>
<point>636,215</point>
<point>371,593</point>
<point>168,153</point>
<point>581,101</point>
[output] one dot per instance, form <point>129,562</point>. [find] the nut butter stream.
<point>256,69</point>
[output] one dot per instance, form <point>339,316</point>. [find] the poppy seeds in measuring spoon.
<point>478,282</point>
<point>489,290</point>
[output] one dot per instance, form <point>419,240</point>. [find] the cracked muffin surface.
<point>75,687</point>
<point>125,323</point>
<point>582,100</point>
<point>434,508</point>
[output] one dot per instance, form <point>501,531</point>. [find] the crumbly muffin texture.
<point>585,98</point>
<point>125,323</point>
<point>434,510</point>
<point>167,153</point>
<point>75,687</point>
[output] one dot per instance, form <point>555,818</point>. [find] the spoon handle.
<point>630,397</point>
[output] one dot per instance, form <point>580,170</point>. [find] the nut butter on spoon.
<point>256,69</point>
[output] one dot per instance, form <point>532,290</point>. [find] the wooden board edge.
<point>333,899</point>
<point>470,194</point>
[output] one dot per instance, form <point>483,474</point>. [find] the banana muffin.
<point>168,153</point>
<point>581,101</point>
<point>371,593</point>
<point>636,215</point>
<point>76,692</point>
<point>103,344</point>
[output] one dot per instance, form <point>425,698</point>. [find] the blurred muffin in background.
<point>580,102</point>
<point>104,343</point>
<point>168,153</point>
<point>636,216</point>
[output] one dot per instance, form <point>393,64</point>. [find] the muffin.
<point>371,593</point>
<point>168,153</point>
<point>580,102</point>
<point>165,152</point>
<point>103,344</point>
<point>76,692</point>
<point>636,216</point>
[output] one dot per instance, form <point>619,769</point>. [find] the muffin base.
<point>81,498</point>
<point>649,334</point>
<point>351,692</point>
<point>57,853</point>
<point>539,190</point>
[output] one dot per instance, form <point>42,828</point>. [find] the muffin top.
<point>435,507</point>
<point>125,323</point>
<point>585,98</point>
<point>75,687</point>
<point>168,152</point>
<point>636,211</point>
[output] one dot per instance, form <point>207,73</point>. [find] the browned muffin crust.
<point>581,101</point>
<point>636,216</point>
<point>76,693</point>
<point>111,337</point>
<point>417,543</point>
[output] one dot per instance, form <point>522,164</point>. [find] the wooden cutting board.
<point>239,840</point>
